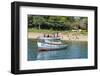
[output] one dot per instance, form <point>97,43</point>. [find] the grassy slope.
<point>83,32</point>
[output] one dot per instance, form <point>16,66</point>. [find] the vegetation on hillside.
<point>57,23</point>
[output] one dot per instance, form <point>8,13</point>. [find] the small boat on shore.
<point>50,43</point>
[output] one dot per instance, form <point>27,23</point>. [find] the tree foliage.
<point>57,22</point>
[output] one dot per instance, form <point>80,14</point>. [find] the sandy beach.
<point>69,36</point>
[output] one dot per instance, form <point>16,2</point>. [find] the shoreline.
<point>67,37</point>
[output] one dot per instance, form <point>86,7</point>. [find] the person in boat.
<point>58,35</point>
<point>55,35</point>
<point>44,35</point>
<point>48,35</point>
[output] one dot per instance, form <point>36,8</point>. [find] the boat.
<point>50,43</point>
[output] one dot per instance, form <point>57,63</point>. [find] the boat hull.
<point>46,46</point>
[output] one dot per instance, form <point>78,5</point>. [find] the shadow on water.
<point>75,50</point>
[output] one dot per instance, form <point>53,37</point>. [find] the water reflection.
<point>75,50</point>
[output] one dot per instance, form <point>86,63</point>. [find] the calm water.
<point>75,50</point>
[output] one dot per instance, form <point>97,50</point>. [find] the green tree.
<point>38,20</point>
<point>57,22</point>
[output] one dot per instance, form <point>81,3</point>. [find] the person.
<point>44,35</point>
<point>57,34</point>
<point>60,35</point>
<point>54,35</point>
<point>48,35</point>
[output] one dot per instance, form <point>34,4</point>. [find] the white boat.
<point>50,43</point>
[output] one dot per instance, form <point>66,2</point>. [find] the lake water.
<point>74,50</point>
